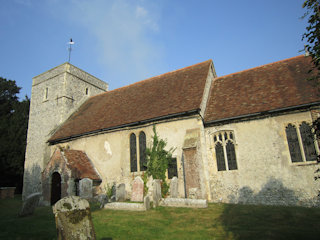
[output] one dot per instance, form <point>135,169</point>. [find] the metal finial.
<point>70,48</point>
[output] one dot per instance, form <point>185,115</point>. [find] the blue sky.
<point>125,41</point>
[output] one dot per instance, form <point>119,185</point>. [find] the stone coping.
<point>125,206</point>
<point>184,202</point>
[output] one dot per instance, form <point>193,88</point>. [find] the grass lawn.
<point>219,221</point>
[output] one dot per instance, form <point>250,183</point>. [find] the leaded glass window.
<point>308,142</point>
<point>133,153</point>
<point>142,150</point>
<point>225,151</point>
<point>172,168</point>
<point>231,156</point>
<point>293,142</point>
<point>301,143</point>
<point>220,157</point>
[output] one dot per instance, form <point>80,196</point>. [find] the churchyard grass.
<point>218,221</point>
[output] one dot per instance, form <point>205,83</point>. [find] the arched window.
<point>231,156</point>
<point>220,157</point>
<point>293,142</point>
<point>225,150</point>
<point>142,150</point>
<point>308,142</point>
<point>133,153</point>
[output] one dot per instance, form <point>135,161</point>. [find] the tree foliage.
<point>13,132</point>
<point>312,34</point>
<point>158,160</point>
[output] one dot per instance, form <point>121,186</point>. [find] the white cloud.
<point>126,35</point>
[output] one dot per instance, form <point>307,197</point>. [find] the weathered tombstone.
<point>121,192</point>
<point>102,199</point>
<point>137,190</point>
<point>174,187</point>
<point>156,192</point>
<point>73,219</point>
<point>146,202</point>
<point>29,204</point>
<point>85,186</point>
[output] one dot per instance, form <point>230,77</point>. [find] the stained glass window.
<point>293,142</point>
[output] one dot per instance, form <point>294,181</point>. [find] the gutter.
<point>99,131</point>
<point>261,113</point>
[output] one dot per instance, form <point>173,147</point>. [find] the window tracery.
<point>225,151</point>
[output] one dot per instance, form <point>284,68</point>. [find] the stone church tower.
<point>56,94</point>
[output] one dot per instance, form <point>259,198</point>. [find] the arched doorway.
<point>55,188</point>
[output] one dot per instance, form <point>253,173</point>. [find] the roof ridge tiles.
<point>261,66</point>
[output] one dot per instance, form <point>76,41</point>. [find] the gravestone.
<point>156,194</point>
<point>29,204</point>
<point>137,190</point>
<point>121,192</point>
<point>146,202</point>
<point>102,199</point>
<point>85,186</point>
<point>174,187</point>
<point>73,219</point>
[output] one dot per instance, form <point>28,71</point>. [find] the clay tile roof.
<point>171,93</point>
<point>273,86</point>
<point>80,165</point>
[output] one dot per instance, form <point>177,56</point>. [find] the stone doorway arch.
<point>55,188</point>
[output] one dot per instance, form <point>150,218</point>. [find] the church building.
<point>240,138</point>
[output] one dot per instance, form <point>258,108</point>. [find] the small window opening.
<point>87,91</point>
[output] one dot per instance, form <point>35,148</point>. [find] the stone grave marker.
<point>156,194</point>
<point>137,190</point>
<point>73,219</point>
<point>174,187</point>
<point>146,202</point>
<point>29,204</point>
<point>102,199</point>
<point>121,192</point>
<point>85,186</point>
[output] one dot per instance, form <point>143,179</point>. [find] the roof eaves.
<point>251,115</point>
<point>98,131</point>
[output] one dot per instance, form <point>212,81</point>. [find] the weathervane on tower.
<point>70,48</point>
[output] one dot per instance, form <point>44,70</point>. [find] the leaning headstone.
<point>85,186</point>
<point>156,194</point>
<point>121,192</point>
<point>29,204</point>
<point>174,187</point>
<point>146,202</point>
<point>73,219</point>
<point>137,190</point>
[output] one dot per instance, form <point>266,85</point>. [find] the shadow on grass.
<point>270,222</point>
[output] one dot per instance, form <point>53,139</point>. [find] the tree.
<point>13,132</point>
<point>312,34</point>
<point>158,160</point>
